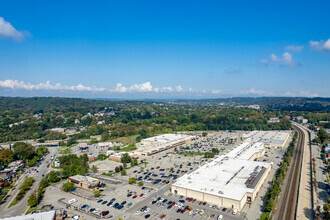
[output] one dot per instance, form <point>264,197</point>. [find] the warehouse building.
<point>153,145</point>
<point>232,180</point>
<point>274,139</point>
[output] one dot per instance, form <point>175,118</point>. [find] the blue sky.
<point>164,49</point>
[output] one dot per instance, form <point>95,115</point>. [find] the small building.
<point>57,163</point>
<point>105,145</point>
<point>85,182</point>
<point>83,146</point>
<point>7,173</point>
<point>16,164</point>
<point>117,156</point>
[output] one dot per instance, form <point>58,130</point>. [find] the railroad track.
<point>287,208</point>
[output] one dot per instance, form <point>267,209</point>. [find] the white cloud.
<point>308,94</point>
<point>190,89</point>
<point>254,91</point>
<point>120,88</point>
<point>294,48</point>
<point>216,91</point>
<point>320,45</point>
<point>144,87</point>
<point>167,89</point>
<point>179,88</point>
<point>15,84</point>
<point>8,31</point>
<point>286,60</point>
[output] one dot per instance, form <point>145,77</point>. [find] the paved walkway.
<point>304,208</point>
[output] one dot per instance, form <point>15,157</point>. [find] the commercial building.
<point>85,182</point>
<point>153,145</point>
<point>232,180</point>
<point>117,156</point>
<point>51,215</point>
<point>274,139</point>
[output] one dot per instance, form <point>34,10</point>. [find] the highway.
<point>21,207</point>
<point>287,208</point>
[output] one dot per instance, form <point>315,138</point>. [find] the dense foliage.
<point>72,165</point>
<point>32,118</point>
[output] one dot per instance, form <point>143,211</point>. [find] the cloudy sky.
<point>164,49</point>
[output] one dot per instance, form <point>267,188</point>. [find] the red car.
<point>191,199</point>
<point>141,195</point>
<point>173,203</point>
<point>134,197</point>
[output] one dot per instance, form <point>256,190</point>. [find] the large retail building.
<point>232,180</point>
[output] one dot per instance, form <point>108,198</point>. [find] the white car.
<point>71,201</point>
<point>220,217</point>
<point>96,210</point>
<point>137,213</point>
<point>75,217</point>
<point>147,210</point>
<point>210,205</point>
<point>235,212</point>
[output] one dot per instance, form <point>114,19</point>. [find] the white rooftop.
<point>226,176</point>
<point>167,138</point>
<point>275,137</point>
<point>37,216</point>
<point>245,151</point>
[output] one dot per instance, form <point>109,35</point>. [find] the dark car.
<point>123,203</point>
<point>147,216</point>
<point>100,200</point>
<point>104,202</point>
<point>169,207</point>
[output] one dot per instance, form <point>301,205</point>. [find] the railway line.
<point>287,208</point>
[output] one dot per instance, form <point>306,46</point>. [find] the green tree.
<point>54,176</point>
<point>97,193</point>
<point>6,155</point>
<point>323,135</point>
<point>215,150</point>
<point>316,140</point>
<point>102,157</point>
<point>326,210</point>
<point>123,172</point>
<point>67,187</point>
<point>125,158</point>
<point>140,183</point>
<point>32,201</point>
<point>143,133</point>
<point>204,134</point>
<point>132,180</point>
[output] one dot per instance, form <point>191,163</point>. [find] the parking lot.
<point>119,199</point>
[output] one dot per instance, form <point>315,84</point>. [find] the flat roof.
<point>274,137</point>
<point>227,175</point>
<point>37,216</point>
<point>82,178</point>
<point>167,138</point>
<point>160,142</point>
